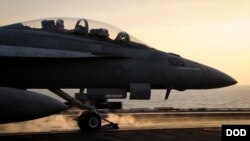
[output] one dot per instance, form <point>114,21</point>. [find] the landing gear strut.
<point>89,119</point>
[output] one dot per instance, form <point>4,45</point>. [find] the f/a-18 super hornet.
<point>68,53</point>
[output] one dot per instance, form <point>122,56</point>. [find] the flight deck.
<point>135,124</point>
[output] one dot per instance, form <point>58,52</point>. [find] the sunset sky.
<point>212,32</point>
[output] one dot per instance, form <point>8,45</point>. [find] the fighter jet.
<point>70,53</point>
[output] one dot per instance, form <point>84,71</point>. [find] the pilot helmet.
<point>59,23</point>
<point>105,32</point>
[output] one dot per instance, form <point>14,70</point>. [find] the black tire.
<point>89,121</point>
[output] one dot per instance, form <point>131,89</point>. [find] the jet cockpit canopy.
<point>76,26</point>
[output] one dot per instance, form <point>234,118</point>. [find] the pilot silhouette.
<point>60,25</point>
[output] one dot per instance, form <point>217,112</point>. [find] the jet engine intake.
<point>20,105</point>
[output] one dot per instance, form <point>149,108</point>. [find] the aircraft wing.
<point>17,51</point>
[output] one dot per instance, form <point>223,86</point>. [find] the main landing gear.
<point>89,119</point>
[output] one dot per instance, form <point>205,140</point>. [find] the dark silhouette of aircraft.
<point>66,53</point>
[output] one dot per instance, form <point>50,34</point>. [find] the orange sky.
<point>212,32</point>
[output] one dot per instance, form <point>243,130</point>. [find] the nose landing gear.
<point>89,119</point>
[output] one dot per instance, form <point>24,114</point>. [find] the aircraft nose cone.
<point>213,78</point>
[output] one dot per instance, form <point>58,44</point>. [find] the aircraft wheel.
<point>89,121</point>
